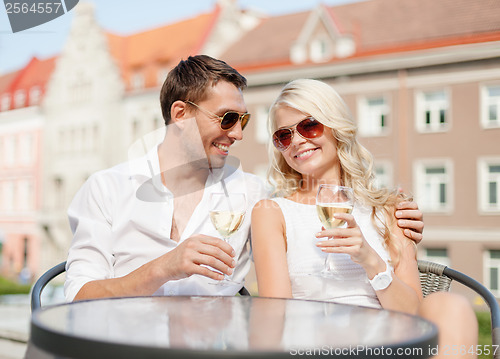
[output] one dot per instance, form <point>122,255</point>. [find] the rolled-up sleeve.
<point>90,216</point>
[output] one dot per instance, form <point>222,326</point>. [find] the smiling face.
<point>221,98</point>
<point>317,157</point>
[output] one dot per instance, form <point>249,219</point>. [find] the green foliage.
<point>484,322</point>
<point>10,287</point>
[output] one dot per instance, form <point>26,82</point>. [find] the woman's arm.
<point>404,293</point>
<point>269,250</point>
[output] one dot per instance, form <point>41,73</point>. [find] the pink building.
<point>21,127</point>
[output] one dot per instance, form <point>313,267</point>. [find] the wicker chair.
<point>36,290</point>
<point>436,277</point>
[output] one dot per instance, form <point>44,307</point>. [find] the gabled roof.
<point>7,80</point>
<point>35,73</point>
<point>376,27</point>
<point>268,44</point>
<point>378,24</point>
<point>150,51</point>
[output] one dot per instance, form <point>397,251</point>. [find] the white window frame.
<point>488,264</point>
<point>298,53</point>
<point>26,146</point>
<point>370,116</point>
<point>486,102</point>
<point>262,134</point>
<point>5,102</point>
<point>320,49</point>
<point>385,180</point>
<point>19,98</point>
<point>9,194</point>
<point>428,186</point>
<point>35,95</point>
<point>435,107</point>
<point>161,75</point>
<point>424,255</point>
<point>10,150</point>
<point>484,179</point>
<point>138,81</point>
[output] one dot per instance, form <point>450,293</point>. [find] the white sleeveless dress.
<point>350,283</point>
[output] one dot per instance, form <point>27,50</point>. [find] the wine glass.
<point>227,211</point>
<point>333,199</point>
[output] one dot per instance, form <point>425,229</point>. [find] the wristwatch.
<point>382,279</point>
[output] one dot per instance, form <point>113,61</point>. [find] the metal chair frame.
<point>36,291</point>
<point>438,277</point>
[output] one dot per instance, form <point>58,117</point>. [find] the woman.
<point>315,142</point>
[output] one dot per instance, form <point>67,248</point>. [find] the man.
<point>142,228</point>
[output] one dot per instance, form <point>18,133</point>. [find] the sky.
<point>121,17</point>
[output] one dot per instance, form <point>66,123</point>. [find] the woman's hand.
<point>351,241</point>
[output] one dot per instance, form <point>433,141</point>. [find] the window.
<point>137,81</point>
<point>489,185</point>
<point>10,154</point>
<point>9,194</point>
<point>35,94</point>
<point>373,116</point>
<point>434,186</point>
<point>161,76</point>
<point>58,198</point>
<point>19,98</point>
<point>383,172</point>
<point>319,49</point>
<point>26,148</point>
<point>25,198</point>
<point>436,255</point>
<point>490,106</point>
<point>79,88</point>
<point>5,102</point>
<point>135,129</point>
<point>432,111</point>
<point>492,270</point>
<point>298,54</point>
<point>261,128</point>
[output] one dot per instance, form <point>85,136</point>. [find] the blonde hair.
<point>319,100</point>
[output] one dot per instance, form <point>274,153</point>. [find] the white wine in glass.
<point>326,212</point>
<point>227,212</point>
<point>226,222</point>
<point>332,199</point>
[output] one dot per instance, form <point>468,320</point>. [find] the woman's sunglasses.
<point>308,128</point>
<point>228,120</point>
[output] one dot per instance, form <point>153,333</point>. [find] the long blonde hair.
<point>319,100</point>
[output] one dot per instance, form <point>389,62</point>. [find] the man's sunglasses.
<point>228,120</point>
<point>308,128</point>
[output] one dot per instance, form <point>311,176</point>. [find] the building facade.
<point>424,89</point>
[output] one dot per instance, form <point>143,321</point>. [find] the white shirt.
<point>121,219</point>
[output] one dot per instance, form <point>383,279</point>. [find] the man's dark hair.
<point>191,79</point>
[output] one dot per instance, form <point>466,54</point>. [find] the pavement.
<point>15,316</point>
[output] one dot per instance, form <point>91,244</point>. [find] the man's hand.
<point>194,254</point>
<point>188,258</point>
<point>410,220</point>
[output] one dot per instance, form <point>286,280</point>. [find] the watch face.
<point>382,281</point>
<point>385,281</point>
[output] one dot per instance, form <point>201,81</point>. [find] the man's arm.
<point>410,220</point>
<point>189,258</point>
